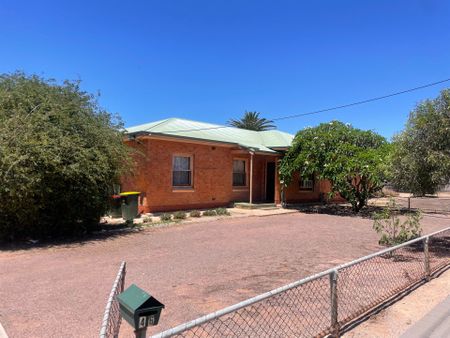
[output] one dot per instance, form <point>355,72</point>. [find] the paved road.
<point>436,324</point>
<point>61,291</point>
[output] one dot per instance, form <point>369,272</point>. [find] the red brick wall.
<point>295,195</point>
<point>212,176</point>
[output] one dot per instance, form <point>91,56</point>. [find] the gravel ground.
<point>61,290</point>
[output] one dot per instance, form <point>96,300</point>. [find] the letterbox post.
<point>141,333</point>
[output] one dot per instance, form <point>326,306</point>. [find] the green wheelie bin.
<point>130,200</point>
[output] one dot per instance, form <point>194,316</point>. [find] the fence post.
<point>122,287</point>
<point>334,302</point>
<point>427,258</point>
<point>409,203</point>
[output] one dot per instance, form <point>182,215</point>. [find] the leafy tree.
<point>252,121</point>
<point>60,154</point>
<point>350,159</point>
<point>420,161</point>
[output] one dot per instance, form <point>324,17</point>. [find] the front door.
<point>270,182</point>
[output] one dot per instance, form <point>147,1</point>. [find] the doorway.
<point>270,182</point>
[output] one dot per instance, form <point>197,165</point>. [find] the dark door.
<point>270,182</point>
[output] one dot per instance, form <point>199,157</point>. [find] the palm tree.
<point>252,121</point>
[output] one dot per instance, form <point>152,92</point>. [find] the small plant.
<point>147,220</point>
<point>222,212</point>
<point>195,213</point>
<point>389,226</point>
<point>209,213</point>
<point>165,217</point>
<point>179,215</point>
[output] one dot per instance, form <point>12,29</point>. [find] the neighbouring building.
<point>184,164</point>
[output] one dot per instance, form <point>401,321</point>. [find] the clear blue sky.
<point>212,60</point>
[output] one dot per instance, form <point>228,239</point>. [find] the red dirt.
<point>193,269</point>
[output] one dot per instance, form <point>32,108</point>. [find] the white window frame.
<point>191,166</point>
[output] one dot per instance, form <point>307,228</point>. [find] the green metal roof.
<point>261,141</point>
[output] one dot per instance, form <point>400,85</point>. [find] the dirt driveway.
<point>193,269</point>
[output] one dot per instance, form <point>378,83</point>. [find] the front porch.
<point>261,189</point>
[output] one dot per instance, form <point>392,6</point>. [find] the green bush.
<point>388,225</point>
<point>179,215</point>
<point>209,213</point>
<point>352,160</point>
<point>60,154</point>
<point>165,217</point>
<point>195,213</point>
<point>222,212</point>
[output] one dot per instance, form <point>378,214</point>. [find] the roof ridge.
<point>216,126</point>
<point>189,120</point>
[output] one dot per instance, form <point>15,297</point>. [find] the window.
<point>182,171</point>
<point>239,175</point>
<point>306,184</point>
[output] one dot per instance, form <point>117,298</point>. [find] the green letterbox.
<point>139,308</point>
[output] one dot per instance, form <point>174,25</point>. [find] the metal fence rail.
<point>439,205</point>
<point>112,319</point>
<point>321,304</point>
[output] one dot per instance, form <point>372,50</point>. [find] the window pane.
<point>307,184</point>
<point>239,179</point>
<point>238,166</point>
<point>182,178</point>
<point>181,163</point>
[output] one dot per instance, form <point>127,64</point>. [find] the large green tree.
<point>60,154</point>
<point>352,160</point>
<point>420,161</point>
<point>252,121</point>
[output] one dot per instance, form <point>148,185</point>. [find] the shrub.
<point>350,159</point>
<point>389,226</point>
<point>148,219</point>
<point>179,215</point>
<point>165,217</point>
<point>195,213</point>
<point>60,154</point>
<point>222,212</point>
<point>209,213</point>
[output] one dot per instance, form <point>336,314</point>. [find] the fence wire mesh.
<point>439,250</point>
<point>368,283</point>
<point>439,205</point>
<point>112,319</point>
<point>317,306</point>
<point>298,312</point>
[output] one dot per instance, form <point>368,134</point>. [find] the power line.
<point>378,98</point>
<point>363,101</point>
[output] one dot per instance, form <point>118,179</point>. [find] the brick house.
<point>184,164</point>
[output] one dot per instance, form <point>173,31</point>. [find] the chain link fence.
<point>439,205</point>
<point>112,319</point>
<point>324,303</point>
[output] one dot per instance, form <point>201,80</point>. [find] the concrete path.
<point>436,324</point>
